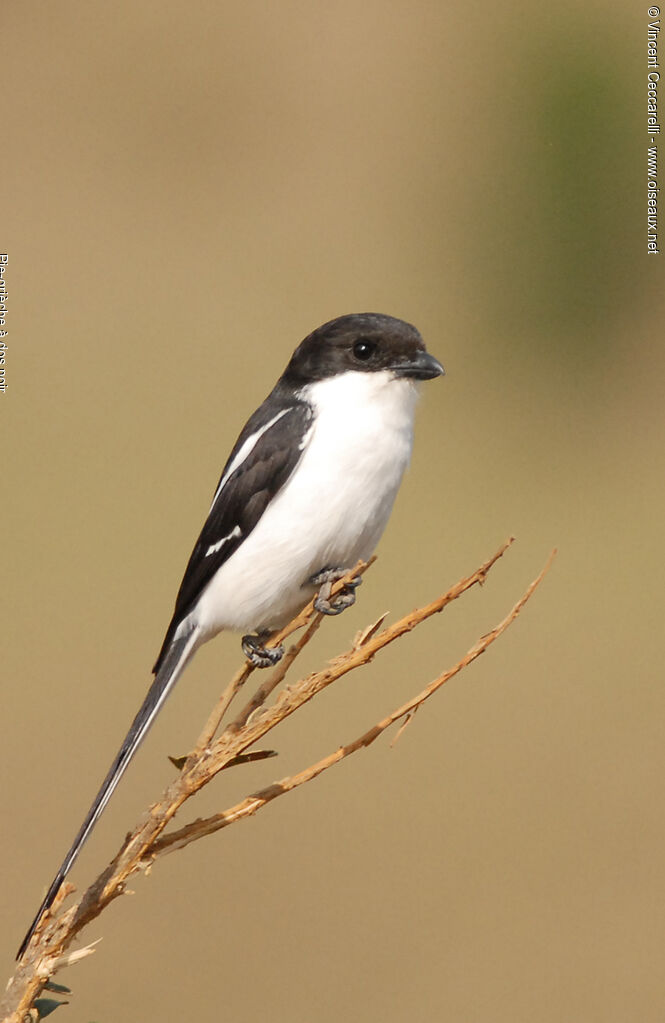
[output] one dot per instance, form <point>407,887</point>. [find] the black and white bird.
<point>307,490</point>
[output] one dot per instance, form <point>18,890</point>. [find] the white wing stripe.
<point>220,543</point>
<point>245,450</point>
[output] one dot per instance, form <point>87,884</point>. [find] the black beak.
<point>420,366</point>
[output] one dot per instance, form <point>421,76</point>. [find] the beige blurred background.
<point>189,189</point>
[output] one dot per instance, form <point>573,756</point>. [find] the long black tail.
<point>170,670</point>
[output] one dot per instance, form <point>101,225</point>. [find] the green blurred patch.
<point>567,219</point>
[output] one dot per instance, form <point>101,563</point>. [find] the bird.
<point>305,493</point>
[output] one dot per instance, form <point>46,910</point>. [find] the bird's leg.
<point>258,653</point>
<point>346,596</point>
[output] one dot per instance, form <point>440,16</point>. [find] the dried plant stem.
<point>179,839</point>
<point>307,615</point>
<point>48,950</point>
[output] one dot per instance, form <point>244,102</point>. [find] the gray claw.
<point>345,598</point>
<point>261,656</point>
<point>340,603</point>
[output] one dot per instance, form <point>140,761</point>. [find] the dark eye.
<point>364,349</point>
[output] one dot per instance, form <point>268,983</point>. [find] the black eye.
<point>364,349</point>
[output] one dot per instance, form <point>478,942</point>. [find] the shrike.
<point>307,490</point>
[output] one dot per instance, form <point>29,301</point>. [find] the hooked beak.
<point>421,366</point>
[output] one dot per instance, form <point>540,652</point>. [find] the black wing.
<point>241,498</point>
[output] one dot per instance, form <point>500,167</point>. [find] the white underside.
<point>332,510</point>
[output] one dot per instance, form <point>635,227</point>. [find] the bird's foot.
<point>346,596</point>
<point>258,653</point>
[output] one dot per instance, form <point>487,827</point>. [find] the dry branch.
<point>48,950</point>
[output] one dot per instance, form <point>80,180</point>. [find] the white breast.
<point>331,511</point>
